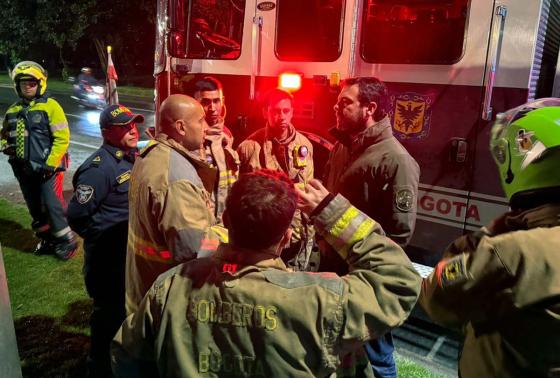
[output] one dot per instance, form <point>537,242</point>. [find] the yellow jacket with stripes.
<point>241,313</point>
<point>46,135</point>
<point>170,217</point>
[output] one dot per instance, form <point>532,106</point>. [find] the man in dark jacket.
<point>374,171</point>
<point>98,212</point>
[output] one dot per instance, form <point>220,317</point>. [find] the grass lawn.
<point>56,84</point>
<point>51,308</point>
<point>49,303</point>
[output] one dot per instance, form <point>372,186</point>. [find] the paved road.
<point>419,339</point>
<point>84,129</point>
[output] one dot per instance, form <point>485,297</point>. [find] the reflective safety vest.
<point>37,132</point>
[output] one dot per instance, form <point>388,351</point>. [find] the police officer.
<point>501,285</point>
<point>35,136</point>
<point>98,212</point>
<point>281,147</point>
<point>242,313</point>
<point>374,171</point>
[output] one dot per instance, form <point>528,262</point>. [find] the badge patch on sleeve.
<point>84,193</point>
<point>404,199</point>
<point>452,271</point>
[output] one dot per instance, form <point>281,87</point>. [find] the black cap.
<point>118,115</point>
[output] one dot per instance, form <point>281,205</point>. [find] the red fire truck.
<point>450,66</point>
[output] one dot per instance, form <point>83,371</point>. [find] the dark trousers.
<point>43,198</point>
<point>380,355</point>
<point>104,273</point>
<point>106,319</point>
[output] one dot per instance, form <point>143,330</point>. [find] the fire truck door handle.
<point>256,53</point>
<point>493,59</point>
<point>459,148</point>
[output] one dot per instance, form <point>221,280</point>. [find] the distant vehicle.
<point>450,67</point>
<point>90,95</point>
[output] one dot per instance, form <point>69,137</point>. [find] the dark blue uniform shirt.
<point>100,199</point>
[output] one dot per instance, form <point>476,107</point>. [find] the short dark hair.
<point>260,208</point>
<point>371,89</point>
<point>276,95</point>
<point>207,83</point>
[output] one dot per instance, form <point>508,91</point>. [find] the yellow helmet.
<point>30,70</point>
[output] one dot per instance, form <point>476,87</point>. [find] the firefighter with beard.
<point>501,284</point>
<point>375,172</point>
<point>98,212</point>
<point>35,136</point>
<point>218,140</point>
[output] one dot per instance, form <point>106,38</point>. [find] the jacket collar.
<point>222,139</point>
<point>376,133</point>
<point>25,102</point>
<point>206,173</point>
<point>543,216</point>
<point>193,157</point>
<point>258,259</point>
<point>119,154</point>
<point>290,138</point>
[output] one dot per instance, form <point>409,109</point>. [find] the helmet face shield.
<point>525,143</point>
<point>28,70</point>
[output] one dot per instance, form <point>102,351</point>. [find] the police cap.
<point>118,115</point>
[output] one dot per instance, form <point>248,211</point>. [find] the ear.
<point>285,241</point>
<point>180,127</point>
<point>371,108</point>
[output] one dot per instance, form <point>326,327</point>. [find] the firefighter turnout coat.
<point>170,214</point>
<point>294,157</point>
<point>240,313</point>
<point>221,155</point>
<point>503,289</point>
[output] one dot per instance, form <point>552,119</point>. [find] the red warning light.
<point>290,82</point>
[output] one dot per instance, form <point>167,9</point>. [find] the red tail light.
<point>290,82</point>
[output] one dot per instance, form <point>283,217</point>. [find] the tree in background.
<point>63,23</point>
<point>16,29</point>
<point>128,26</point>
<point>65,35</point>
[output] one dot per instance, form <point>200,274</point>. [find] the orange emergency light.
<point>289,81</point>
